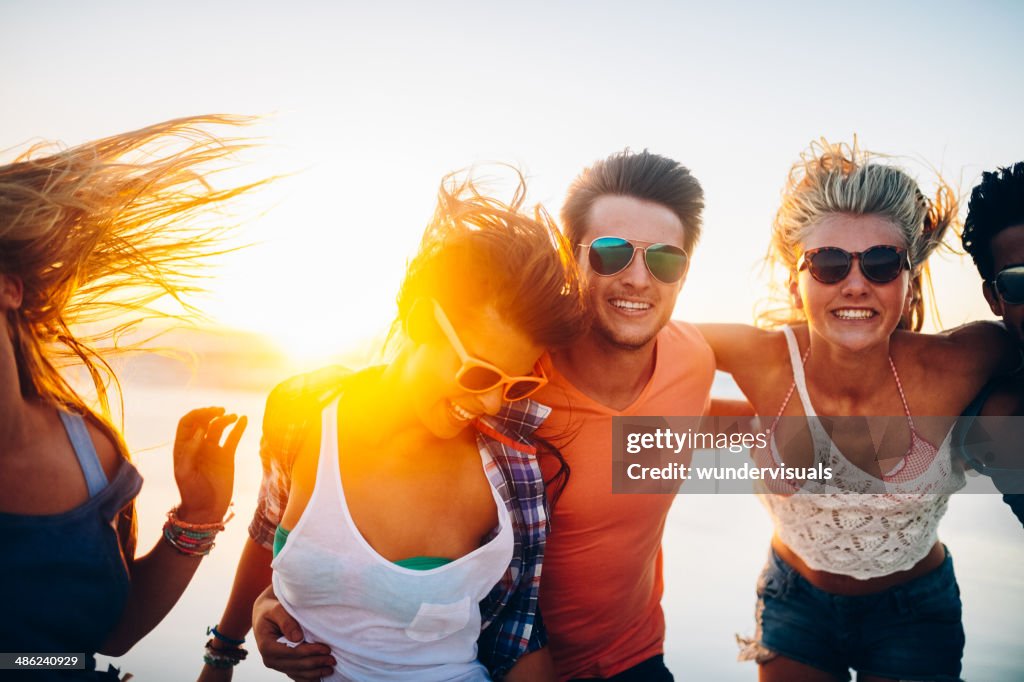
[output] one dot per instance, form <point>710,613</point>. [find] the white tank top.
<point>382,621</point>
<point>860,534</point>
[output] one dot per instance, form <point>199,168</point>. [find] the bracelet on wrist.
<point>220,636</point>
<point>223,658</point>
<point>189,546</point>
<point>191,539</point>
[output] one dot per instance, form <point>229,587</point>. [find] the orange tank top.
<point>602,582</point>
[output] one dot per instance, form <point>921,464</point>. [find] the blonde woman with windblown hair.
<point>857,580</point>
<point>95,234</point>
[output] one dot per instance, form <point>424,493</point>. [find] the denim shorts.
<point>911,631</point>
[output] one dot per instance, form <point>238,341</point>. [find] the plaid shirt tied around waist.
<point>510,618</point>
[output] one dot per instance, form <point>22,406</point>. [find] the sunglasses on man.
<point>611,255</point>
<point>479,376</point>
<point>831,265</point>
<point>1009,284</point>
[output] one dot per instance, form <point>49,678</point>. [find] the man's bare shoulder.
<point>1006,397</point>
<point>684,333</point>
<point>686,337</point>
<point>294,398</point>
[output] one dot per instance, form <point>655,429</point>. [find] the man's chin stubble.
<point>621,344</point>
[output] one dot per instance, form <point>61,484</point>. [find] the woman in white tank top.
<point>843,587</point>
<point>410,515</point>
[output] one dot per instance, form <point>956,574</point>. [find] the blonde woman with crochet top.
<point>856,577</point>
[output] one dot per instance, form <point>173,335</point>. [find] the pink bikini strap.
<point>903,397</point>
<point>789,394</point>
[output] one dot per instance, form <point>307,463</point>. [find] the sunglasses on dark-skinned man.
<point>1009,284</point>
<point>611,255</point>
<point>831,265</point>
<point>478,376</point>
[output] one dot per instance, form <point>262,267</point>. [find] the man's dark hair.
<point>996,204</point>
<point>644,176</point>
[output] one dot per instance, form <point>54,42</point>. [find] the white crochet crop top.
<point>860,534</point>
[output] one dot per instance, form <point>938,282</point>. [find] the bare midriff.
<point>846,585</point>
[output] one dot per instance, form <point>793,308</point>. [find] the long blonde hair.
<point>839,178</point>
<point>97,233</point>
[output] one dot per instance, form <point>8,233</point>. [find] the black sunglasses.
<point>611,255</point>
<point>1009,284</point>
<point>831,265</point>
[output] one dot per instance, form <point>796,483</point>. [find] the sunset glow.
<point>365,110</point>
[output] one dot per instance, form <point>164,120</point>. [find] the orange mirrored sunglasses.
<point>478,376</point>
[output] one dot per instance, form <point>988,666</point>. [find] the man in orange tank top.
<point>634,219</point>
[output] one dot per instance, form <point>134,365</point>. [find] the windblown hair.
<point>479,251</point>
<point>841,179</point>
<point>644,176</point>
<point>996,204</point>
<point>96,234</point>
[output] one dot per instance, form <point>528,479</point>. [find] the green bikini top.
<point>416,563</point>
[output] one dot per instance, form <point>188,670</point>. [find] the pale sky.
<point>373,104</point>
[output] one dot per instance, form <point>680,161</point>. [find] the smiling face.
<point>441,404</point>
<point>630,307</point>
<point>855,313</point>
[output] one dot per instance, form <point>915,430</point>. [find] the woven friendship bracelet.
<point>212,630</point>
<point>192,539</point>
<point>186,545</point>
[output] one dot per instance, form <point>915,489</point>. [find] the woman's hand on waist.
<point>303,661</point>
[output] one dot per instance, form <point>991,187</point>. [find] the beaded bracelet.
<point>191,546</point>
<point>191,539</point>
<point>223,658</point>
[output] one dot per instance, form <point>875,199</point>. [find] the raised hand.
<point>203,468</point>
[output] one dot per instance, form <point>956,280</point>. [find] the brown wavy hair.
<point>840,178</point>
<point>478,250</point>
<point>642,175</point>
<point>97,233</point>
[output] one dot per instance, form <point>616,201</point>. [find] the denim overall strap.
<point>65,581</point>
<point>95,479</point>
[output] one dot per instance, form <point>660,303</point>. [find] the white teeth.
<point>460,413</point>
<point>630,305</point>
<point>853,313</point>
